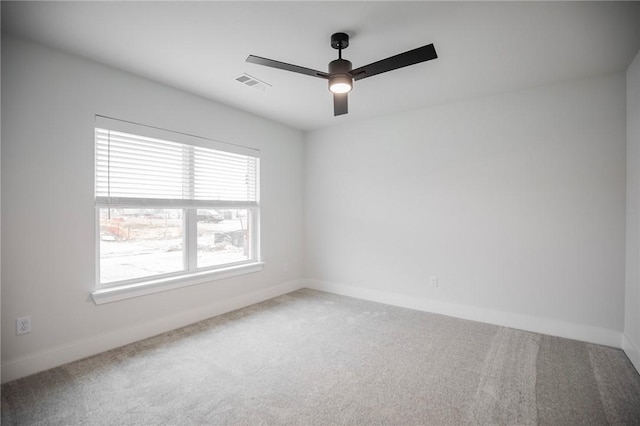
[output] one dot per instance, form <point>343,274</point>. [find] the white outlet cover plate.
<point>23,325</point>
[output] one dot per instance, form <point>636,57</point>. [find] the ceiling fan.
<point>341,74</point>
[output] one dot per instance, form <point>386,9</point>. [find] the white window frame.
<point>110,292</point>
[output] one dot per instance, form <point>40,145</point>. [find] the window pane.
<point>136,243</point>
<point>222,236</point>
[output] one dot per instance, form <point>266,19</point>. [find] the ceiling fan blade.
<point>340,104</point>
<point>415,56</point>
<point>287,67</point>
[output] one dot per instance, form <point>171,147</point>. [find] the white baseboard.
<point>632,351</point>
<point>34,363</point>
<point>541,325</point>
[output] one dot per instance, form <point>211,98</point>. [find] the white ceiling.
<point>483,47</point>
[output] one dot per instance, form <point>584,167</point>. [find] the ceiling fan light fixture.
<point>341,83</point>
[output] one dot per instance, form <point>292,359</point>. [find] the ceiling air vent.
<point>253,82</point>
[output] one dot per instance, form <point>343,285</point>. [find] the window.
<point>171,209</point>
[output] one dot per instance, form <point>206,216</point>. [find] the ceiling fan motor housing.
<point>339,75</point>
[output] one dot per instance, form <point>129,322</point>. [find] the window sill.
<point>113,294</point>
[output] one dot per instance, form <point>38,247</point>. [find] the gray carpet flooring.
<point>321,359</point>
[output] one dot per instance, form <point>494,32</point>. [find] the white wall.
<point>631,341</point>
<point>516,202</point>
<point>49,100</point>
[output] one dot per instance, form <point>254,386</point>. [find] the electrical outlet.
<point>23,325</point>
<point>434,281</point>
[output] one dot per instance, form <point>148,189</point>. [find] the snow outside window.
<point>171,206</point>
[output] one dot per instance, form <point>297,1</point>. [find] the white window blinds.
<point>132,170</point>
